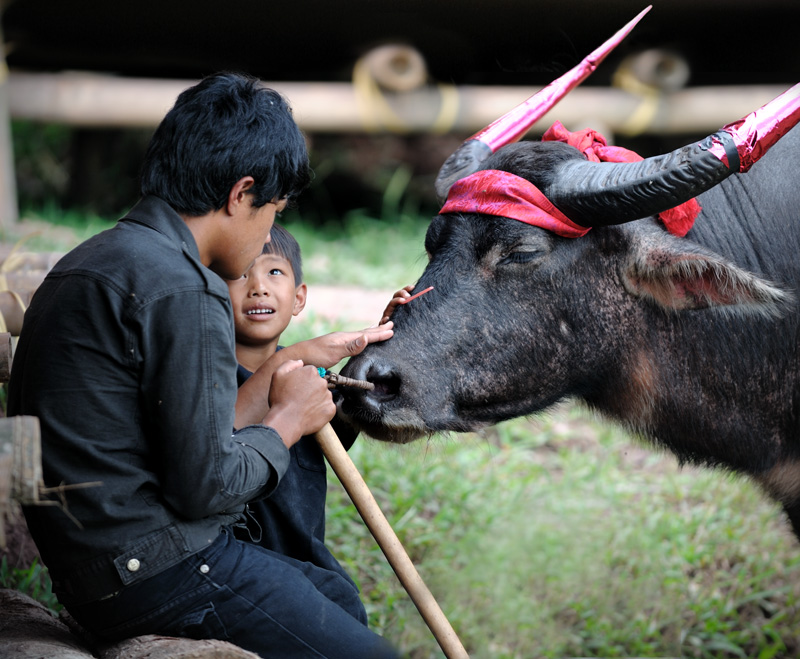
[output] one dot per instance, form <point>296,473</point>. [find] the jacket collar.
<point>157,214</point>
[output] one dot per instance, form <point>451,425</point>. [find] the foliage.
<point>41,152</point>
<point>33,581</point>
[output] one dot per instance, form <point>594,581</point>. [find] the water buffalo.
<point>691,342</point>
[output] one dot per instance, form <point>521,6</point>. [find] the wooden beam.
<point>88,99</point>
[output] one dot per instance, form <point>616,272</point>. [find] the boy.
<point>127,358</point>
<point>291,521</point>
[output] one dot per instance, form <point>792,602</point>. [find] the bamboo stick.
<point>389,543</point>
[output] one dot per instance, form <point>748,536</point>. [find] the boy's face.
<point>264,300</point>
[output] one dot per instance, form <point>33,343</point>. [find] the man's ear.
<point>238,192</point>
<point>300,296</point>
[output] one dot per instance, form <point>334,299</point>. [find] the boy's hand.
<point>300,403</point>
<point>396,301</point>
<point>328,350</point>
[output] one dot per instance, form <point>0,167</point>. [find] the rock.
<point>28,630</point>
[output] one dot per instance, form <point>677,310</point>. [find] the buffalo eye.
<point>520,257</point>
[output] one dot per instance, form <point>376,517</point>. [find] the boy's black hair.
<point>284,244</point>
<point>226,127</point>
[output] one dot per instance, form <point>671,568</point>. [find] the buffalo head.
<point>520,317</point>
<point>524,312</point>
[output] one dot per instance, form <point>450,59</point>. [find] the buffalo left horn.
<point>514,124</point>
<point>603,193</point>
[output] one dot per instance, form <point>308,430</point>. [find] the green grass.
<point>557,536</point>
<point>542,538</point>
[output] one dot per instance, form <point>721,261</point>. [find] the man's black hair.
<point>284,244</point>
<point>226,127</point>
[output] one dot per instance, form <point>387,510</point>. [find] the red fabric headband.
<point>493,192</point>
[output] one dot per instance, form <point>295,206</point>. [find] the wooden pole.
<point>20,465</point>
<point>9,212</point>
<point>389,543</point>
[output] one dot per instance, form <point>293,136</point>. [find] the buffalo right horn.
<point>514,124</point>
<point>602,193</point>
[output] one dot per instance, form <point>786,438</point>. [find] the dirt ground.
<point>355,307</point>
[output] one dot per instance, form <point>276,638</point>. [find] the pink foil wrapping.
<point>760,130</point>
<point>515,123</point>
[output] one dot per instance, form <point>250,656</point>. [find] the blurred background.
<point>556,536</point>
<point>377,85</point>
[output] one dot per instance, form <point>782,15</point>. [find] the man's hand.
<point>300,403</point>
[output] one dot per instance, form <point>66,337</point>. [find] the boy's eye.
<point>276,271</point>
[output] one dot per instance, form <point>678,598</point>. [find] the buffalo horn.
<point>514,124</point>
<point>603,193</point>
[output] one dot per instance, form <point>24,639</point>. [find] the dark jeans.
<point>239,592</point>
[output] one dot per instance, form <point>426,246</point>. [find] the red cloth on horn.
<point>593,145</point>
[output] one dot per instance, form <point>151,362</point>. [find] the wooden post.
<point>19,438</point>
<point>5,491</point>
<point>9,212</point>
<point>6,352</point>
<point>11,313</point>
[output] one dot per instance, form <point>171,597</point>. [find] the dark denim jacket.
<point>127,358</point>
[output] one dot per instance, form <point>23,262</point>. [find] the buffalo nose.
<point>380,373</point>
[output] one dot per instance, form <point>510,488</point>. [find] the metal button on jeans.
<point>204,568</point>
<point>133,565</point>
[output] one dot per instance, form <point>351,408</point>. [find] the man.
<point>127,357</point>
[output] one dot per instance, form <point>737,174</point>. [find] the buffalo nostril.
<point>385,379</point>
<point>380,374</point>
<point>386,387</point>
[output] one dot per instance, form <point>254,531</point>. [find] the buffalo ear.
<point>677,274</point>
